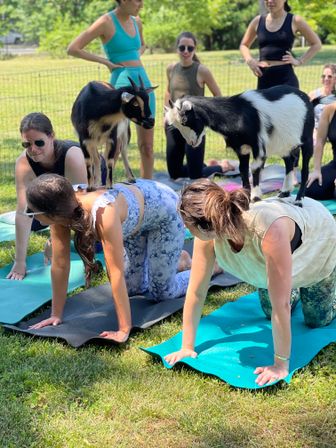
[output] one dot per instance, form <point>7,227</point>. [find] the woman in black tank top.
<point>321,181</point>
<point>42,154</point>
<point>188,77</point>
<point>276,32</point>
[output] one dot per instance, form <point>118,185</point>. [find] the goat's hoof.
<point>256,199</point>
<point>298,202</point>
<point>284,194</point>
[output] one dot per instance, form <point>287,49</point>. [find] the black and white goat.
<point>275,121</point>
<point>100,115</point>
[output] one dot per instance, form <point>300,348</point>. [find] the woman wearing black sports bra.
<point>321,182</point>
<point>276,33</point>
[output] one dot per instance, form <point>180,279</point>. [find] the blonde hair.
<point>207,206</point>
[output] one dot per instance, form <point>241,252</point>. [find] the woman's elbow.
<point>72,50</point>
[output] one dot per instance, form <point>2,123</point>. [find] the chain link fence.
<point>53,92</point>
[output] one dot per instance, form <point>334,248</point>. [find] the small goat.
<point>100,115</point>
<point>275,121</point>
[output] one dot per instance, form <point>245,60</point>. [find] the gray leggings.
<point>318,301</point>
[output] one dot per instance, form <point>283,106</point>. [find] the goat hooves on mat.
<point>256,199</point>
<point>298,202</point>
<point>284,194</point>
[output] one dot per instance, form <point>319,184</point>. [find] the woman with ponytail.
<point>188,77</point>
<point>140,220</point>
<point>273,245</point>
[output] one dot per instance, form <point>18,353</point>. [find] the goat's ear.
<point>135,87</point>
<point>166,109</point>
<point>126,97</point>
<point>187,105</point>
<point>150,89</point>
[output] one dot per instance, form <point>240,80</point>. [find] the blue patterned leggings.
<point>318,301</point>
<point>152,254</point>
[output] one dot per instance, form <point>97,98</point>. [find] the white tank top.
<point>313,260</point>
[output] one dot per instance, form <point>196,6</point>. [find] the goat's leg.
<point>244,166</point>
<point>111,155</point>
<point>95,175</point>
<point>307,152</point>
<point>124,137</point>
<point>88,162</point>
<point>288,183</point>
<point>256,168</point>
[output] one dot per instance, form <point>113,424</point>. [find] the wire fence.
<point>54,91</point>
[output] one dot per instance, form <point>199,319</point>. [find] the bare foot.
<point>184,262</point>
<point>224,164</point>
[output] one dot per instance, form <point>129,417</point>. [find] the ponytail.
<point>208,207</point>
<point>287,8</point>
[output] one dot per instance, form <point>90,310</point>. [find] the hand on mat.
<point>18,271</point>
<point>118,336</point>
<point>44,323</point>
<point>174,357</point>
<point>269,374</point>
<point>47,252</point>
<point>315,175</point>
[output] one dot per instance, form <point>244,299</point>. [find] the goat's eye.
<point>136,104</point>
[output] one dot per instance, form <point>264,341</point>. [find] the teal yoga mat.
<point>7,226</point>
<point>20,298</point>
<point>233,340</point>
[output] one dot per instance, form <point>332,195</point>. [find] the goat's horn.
<point>171,104</point>
<point>135,87</point>
<point>142,85</point>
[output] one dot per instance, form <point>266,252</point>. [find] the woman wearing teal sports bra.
<point>121,34</point>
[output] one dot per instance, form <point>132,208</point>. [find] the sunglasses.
<point>183,48</point>
<point>327,76</point>
<point>38,143</point>
<point>29,212</point>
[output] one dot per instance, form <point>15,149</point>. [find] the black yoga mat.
<point>92,311</point>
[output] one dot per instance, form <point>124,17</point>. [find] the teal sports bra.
<point>122,47</point>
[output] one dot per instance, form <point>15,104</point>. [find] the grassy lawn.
<point>54,396</point>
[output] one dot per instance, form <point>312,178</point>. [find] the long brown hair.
<point>54,195</point>
<point>207,206</point>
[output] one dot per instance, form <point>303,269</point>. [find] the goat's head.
<point>182,115</point>
<point>135,104</point>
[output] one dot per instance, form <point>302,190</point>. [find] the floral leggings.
<point>318,301</point>
<point>152,254</point>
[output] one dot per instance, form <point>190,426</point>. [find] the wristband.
<point>282,358</point>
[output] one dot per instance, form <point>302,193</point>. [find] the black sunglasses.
<point>183,48</point>
<point>38,143</point>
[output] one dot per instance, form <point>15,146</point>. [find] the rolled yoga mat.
<point>235,339</point>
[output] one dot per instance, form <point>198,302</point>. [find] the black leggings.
<point>277,75</point>
<point>177,148</point>
<point>327,189</point>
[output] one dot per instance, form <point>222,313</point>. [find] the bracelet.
<point>282,358</point>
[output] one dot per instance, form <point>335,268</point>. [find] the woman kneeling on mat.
<point>140,218</point>
<point>273,245</point>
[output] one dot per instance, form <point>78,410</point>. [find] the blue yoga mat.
<point>233,340</point>
<point>20,298</point>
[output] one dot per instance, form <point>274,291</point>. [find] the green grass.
<point>54,396</point>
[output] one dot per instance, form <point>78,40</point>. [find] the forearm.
<point>22,232</point>
<point>59,278</point>
<point>191,317</point>
<point>310,53</point>
<point>121,301</point>
<point>318,150</point>
<point>245,52</point>
<point>83,54</point>
<point>281,330</point>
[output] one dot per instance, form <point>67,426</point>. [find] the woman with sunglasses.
<point>273,245</point>
<point>42,154</point>
<point>276,32</point>
<point>188,77</point>
<point>325,94</point>
<point>322,181</point>
<point>127,220</point>
<point>120,32</point>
